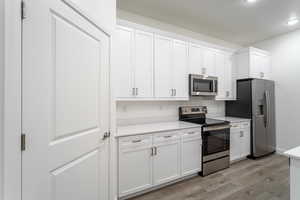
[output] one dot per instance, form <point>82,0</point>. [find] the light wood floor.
<point>263,179</point>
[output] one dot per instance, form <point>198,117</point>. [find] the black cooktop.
<point>206,121</point>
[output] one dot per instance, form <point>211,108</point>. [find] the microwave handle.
<point>216,86</point>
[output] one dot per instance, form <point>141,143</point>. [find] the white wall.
<point>285,52</point>
<point>152,111</point>
<point>125,15</point>
<point>1,91</point>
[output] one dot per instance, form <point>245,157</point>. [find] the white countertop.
<point>154,127</point>
<point>293,153</point>
<point>232,119</point>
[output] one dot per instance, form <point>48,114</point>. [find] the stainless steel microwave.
<point>203,85</point>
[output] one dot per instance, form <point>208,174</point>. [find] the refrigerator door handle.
<point>268,106</point>
<point>267,112</point>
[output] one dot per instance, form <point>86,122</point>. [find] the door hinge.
<point>23,10</point>
<point>106,135</point>
<point>23,142</point>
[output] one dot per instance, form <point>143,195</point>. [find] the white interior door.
<point>65,102</point>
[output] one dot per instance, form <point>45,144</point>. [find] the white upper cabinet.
<point>143,64</point>
<point>171,68</point>
<point>123,60</point>
<point>225,72</point>
<point>133,64</point>
<point>253,63</point>
<point>180,69</point>
<point>195,59</point>
<point>163,67</point>
<point>209,62</point>
<point>202,60</point>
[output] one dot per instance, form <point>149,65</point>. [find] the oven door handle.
<point>216,128</point>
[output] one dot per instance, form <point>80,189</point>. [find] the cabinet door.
<point>143,64</point>
<point>191,152</point>
<point>266,67</point>
<point>256,65</point>
<point>180,69</point>
<point>195,59</point>
<point>221,74</point>
<point>229,79</point>
<point>209,62</point>
<point>123,62</point>
<point>235,144</point>
<point>163,66</point>
<point>135,165</point>
<point>245,139</point>
<point>166,161</point>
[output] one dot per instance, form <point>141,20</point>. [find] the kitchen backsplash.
<point>138,112</point>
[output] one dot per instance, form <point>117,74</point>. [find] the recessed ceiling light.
<point>293,21</point>
<point>251,1</point>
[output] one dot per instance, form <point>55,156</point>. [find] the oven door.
<point>203,86</point>
<point>215,139</point>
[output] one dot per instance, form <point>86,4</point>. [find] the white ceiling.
<point>231,20</point>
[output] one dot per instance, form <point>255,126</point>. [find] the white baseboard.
<point>280,151</point>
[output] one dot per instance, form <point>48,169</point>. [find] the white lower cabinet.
<point>191,152</point>
<point>166,161</point>
<point>150,160</point>
<point>239,140</point>
<point>135,164</point>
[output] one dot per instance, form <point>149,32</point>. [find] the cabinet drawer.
<point>139,141</point>
<point>245,125</point>
<point>235,126</point>
<point>166,137</point>
<point>191,133</point>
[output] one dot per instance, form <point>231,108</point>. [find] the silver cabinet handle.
<point>155,150</point>
<point>227,93</point>
<point>241,133</point>
<point>136,91</point>
<point>152,151</point>
<point>168,136</point>
<point>136,141</point>
<point>191,133</point>
<point>175,92</point>
<point>172,92</point>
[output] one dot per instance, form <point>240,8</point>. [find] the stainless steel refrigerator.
<point>256,101</point>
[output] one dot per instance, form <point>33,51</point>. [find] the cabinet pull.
<point>152,151</point>
<point>227,93</point>
<point>191,133</point>
<point>241,133</point>
<point>175,92</point>
<point>168,136</point>
<point>136,91</point>
<point>172,92</point>
<point>136,141</point>
<point>155,150</point>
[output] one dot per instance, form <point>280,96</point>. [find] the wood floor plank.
<point>262,179</point>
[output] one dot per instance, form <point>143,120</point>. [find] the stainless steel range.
<point>215,138</point>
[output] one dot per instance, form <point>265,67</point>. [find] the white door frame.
<point>12,101</point>
<point>12,159</point>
